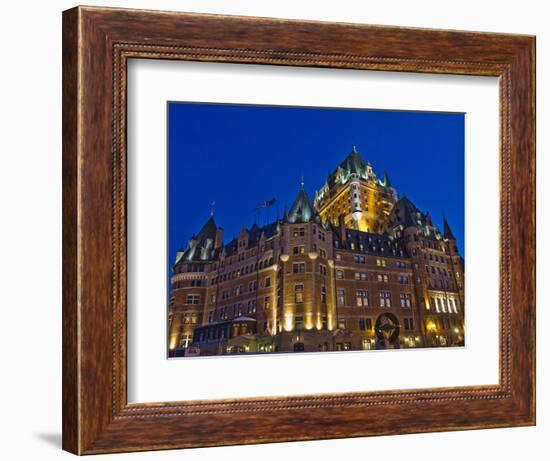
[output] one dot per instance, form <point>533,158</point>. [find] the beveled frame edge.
<point>97,43</point>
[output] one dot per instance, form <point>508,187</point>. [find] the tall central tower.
<point>354,192</point>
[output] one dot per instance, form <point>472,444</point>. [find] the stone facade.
<point>356,269</point>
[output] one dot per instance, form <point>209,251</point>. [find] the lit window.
<point>340,297</point>
<point>299,250</point>
<point>405,299</point>
<point>362,297</point>
<point>298,232</point>
<point>454,306</point>
<point>339,274</point>
<point>323,294</point>
<point>385,298</point>
<point>367,344</point>
<point>186,340</point>
<point>299,293</point>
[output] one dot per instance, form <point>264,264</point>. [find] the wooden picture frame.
<point>97,43</point>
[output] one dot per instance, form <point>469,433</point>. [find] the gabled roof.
<point>201,246</point>
<point>302,210</point>
<point>254,235</point>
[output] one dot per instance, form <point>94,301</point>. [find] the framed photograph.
<point>284,230</point>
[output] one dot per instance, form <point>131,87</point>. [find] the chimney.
<point>343,233</point>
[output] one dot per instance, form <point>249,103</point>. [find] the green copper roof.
<point>201,246</point>
<point>353,163</point>
<point>302,210</point>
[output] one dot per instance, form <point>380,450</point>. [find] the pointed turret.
<point>353,163</point>
<point>447,232</point>
<point>387,182</point>
<point>428,219</point>
<point>201,247</point>
<point>405,212</point>
<point>302,210</point>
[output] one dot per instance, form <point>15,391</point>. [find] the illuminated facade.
<point>356,269</point>
<point>354,192</point>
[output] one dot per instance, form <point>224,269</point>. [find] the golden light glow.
<point>330,322</point>
<point>289,321</point>
<point>431,326</point>
<point>319,322</point>
<point>308,323</point>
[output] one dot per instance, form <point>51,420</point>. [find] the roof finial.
<point>354,149</point>
<point>212,205</point>
<point>302,182</point>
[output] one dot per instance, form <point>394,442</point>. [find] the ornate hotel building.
<point>358,268</point>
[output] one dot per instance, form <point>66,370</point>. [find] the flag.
<point>265,204</point>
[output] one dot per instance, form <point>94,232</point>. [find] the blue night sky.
<point>238,156</point>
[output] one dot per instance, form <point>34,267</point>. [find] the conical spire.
<point>387,182</point>
<point>302,210</point>
<point>353,163</point>
<point>201,246</point>
<point>447,232</point>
